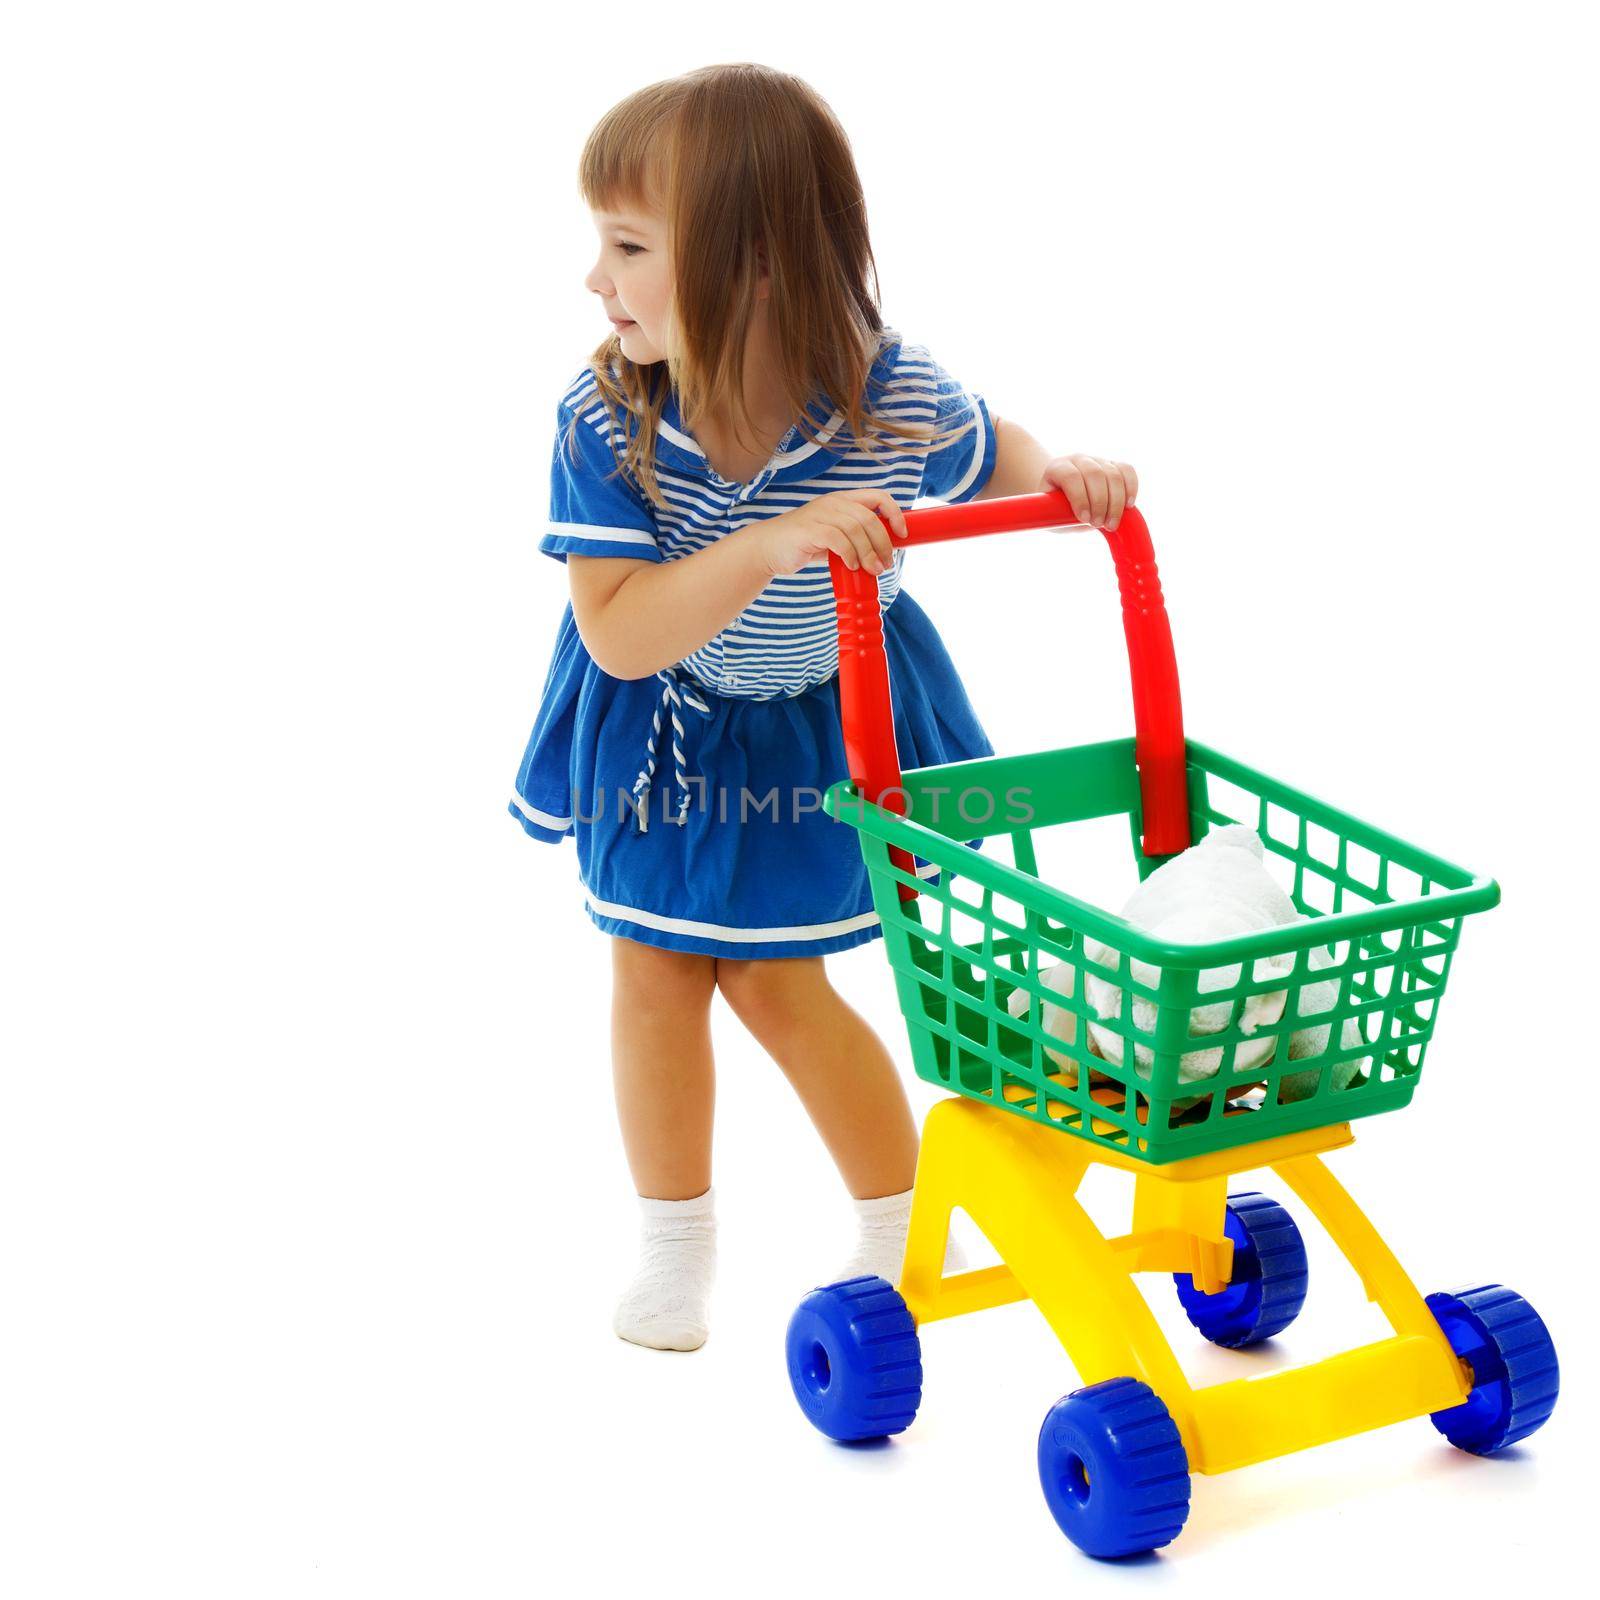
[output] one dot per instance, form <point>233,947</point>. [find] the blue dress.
<point>694,796</point>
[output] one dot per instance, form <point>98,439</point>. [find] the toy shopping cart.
<point>997,972</point>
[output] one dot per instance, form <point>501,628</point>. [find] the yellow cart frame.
<point>1018,1182</point>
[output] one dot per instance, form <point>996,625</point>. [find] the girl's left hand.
<point>1099,490</point>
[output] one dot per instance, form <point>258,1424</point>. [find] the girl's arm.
<point>1019,462</point>
<point>1098,490</point>
<point>635,617</point>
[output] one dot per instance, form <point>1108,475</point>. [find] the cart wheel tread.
<point>1515,1374</point>
<point>1113,1469</point>
<point>1269,1281</point>
<point>855,1361</point>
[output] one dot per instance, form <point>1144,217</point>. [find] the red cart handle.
<point>867,712</point>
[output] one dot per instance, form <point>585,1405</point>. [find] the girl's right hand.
<point>846,522</point>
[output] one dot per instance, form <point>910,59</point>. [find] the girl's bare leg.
<point>840,1068</point>
<point>662,1068</point>
<point>665,1083</point>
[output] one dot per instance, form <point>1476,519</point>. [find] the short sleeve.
<point>959,468</point>
<point>593,510</point>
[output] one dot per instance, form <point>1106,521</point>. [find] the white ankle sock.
<point>881,1246</point>
<point>666,1305</point>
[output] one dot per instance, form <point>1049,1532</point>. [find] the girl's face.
<point>633,278</point>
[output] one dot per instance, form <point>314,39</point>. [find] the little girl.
<point>749,414</point>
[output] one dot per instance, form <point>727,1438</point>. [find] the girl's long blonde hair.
<point>751,169</point>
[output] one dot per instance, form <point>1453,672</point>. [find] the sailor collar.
<point>795,459</point>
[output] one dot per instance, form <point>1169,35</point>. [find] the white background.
<point>312,1210</point>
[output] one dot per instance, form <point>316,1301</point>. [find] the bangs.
<point>627,158</point>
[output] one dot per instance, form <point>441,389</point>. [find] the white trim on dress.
<point>543,818</point>
<point>716,930</point>
<point>589,530</point>
<point>982,443</point>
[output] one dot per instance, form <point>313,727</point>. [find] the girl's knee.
<point>771,991</point>
<point>651,979</point>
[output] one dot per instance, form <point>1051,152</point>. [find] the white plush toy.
<point>1217,889</point>
<point>1057,1021</point>
<point>1316,998</point>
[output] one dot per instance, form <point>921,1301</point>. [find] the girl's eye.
<point>628,249</point>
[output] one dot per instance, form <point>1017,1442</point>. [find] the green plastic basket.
<point>1383,915</point>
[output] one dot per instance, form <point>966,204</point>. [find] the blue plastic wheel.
<point>1268,1284</point>
<point>1515,1376</point>
<point>1113,1469</point>
<point>855,1362</point>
